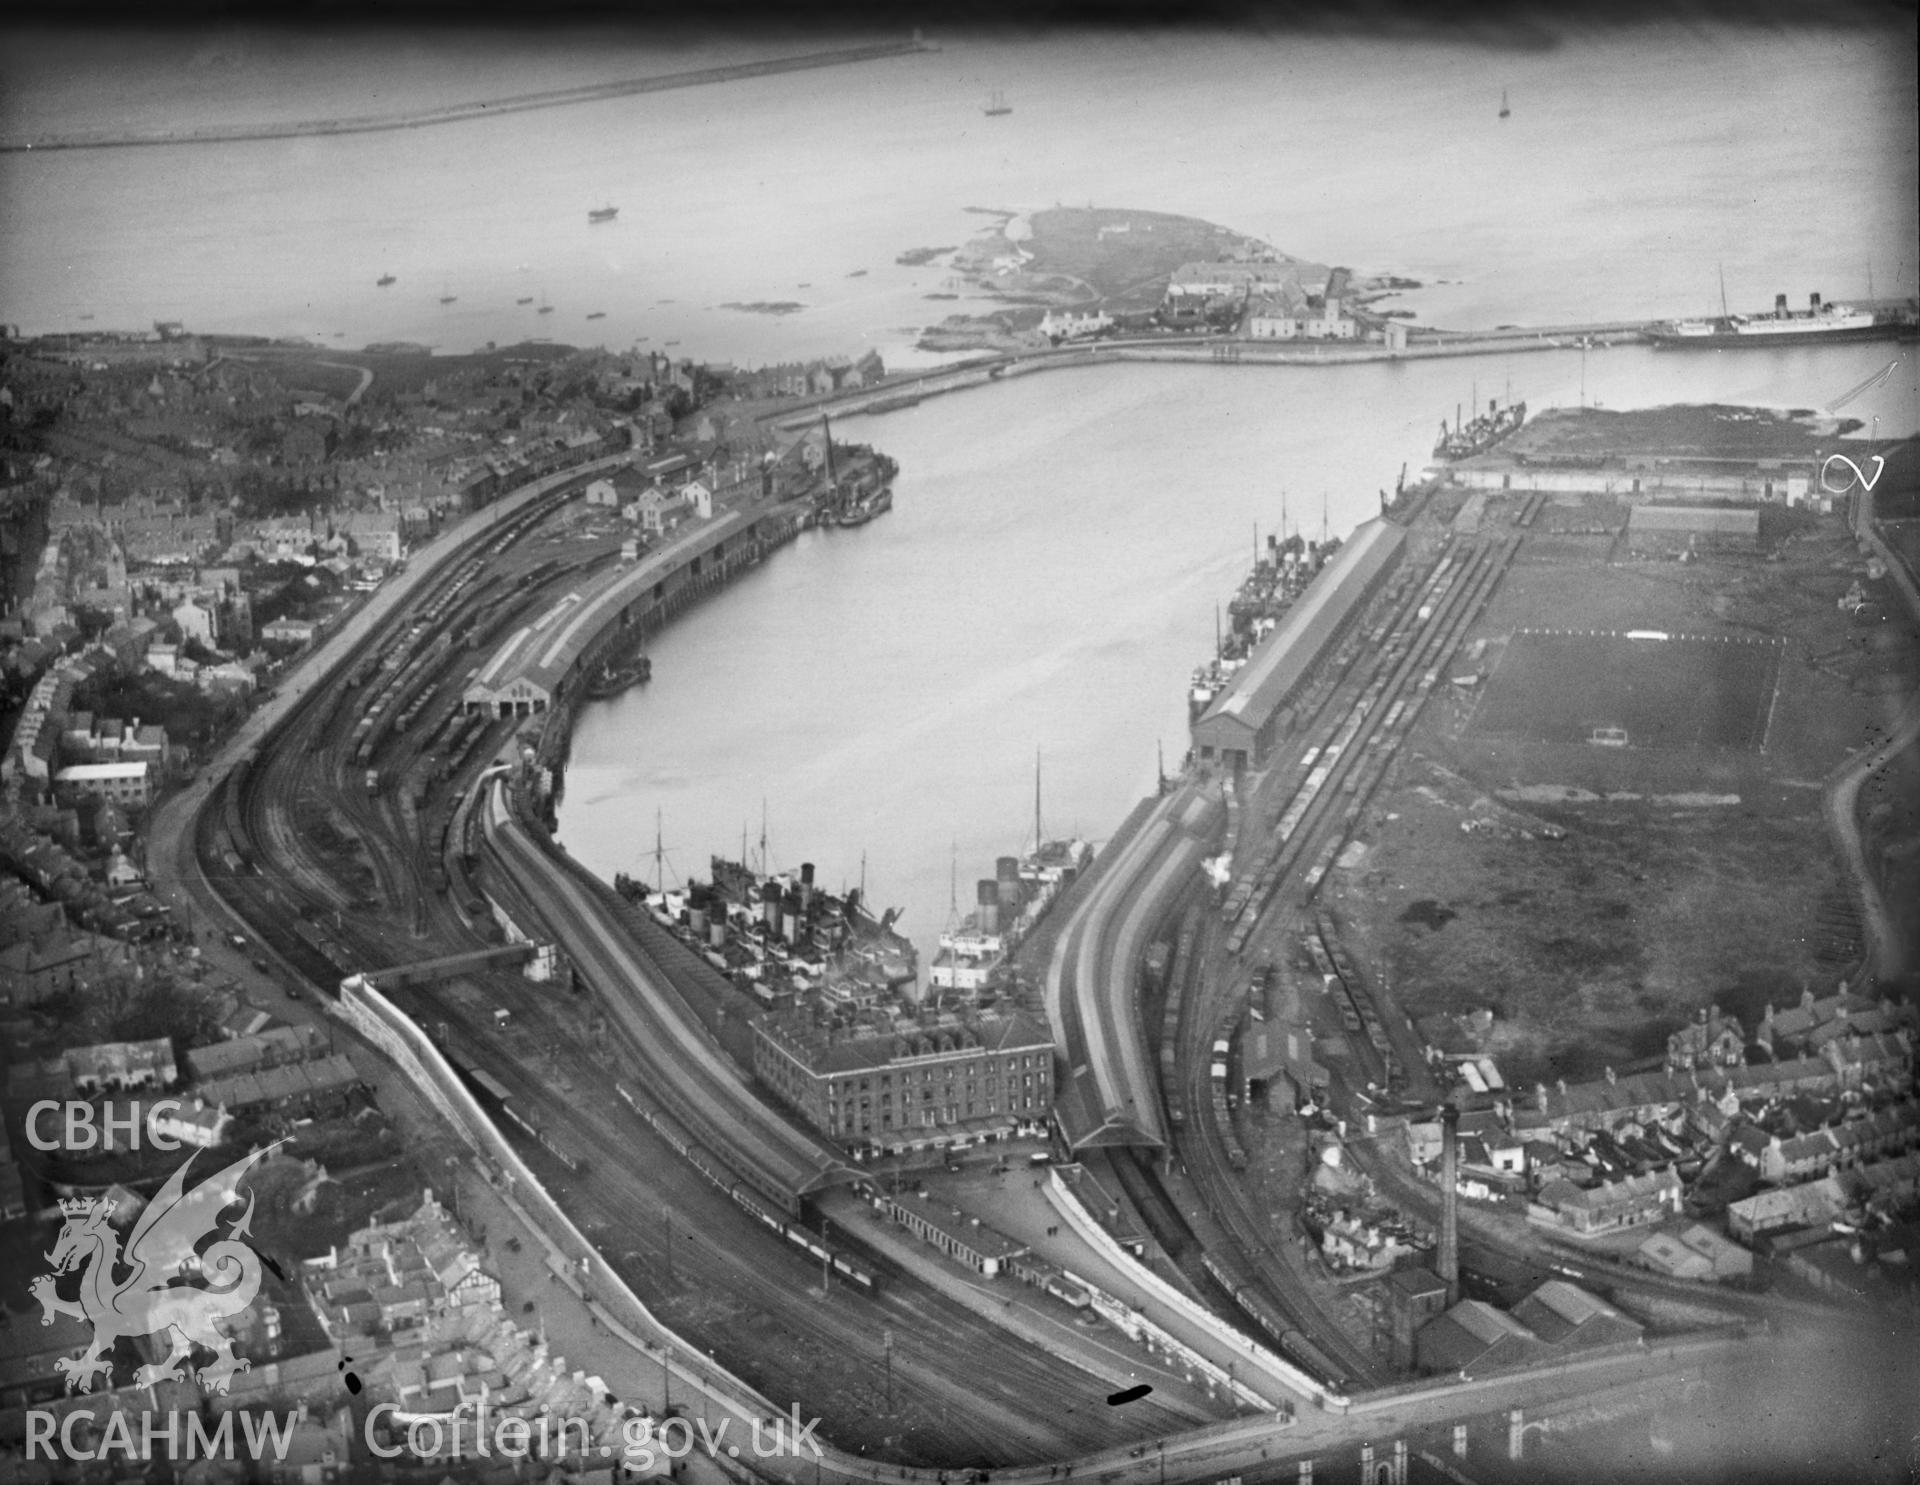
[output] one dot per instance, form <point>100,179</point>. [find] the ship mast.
<point>1038,834</point>
<point>1723,291</point>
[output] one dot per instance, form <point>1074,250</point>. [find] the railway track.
<point>1034,1405</point>
<point>695,1080</point>
<point>1245,1262</point>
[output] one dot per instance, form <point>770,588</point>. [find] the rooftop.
<point>1289,652</point>
<point>82,772</point>
<point>964,1231</point>
<point>823,1051</point>
<point>545,650</point>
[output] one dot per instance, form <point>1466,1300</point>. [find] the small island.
<point>1044,268</point>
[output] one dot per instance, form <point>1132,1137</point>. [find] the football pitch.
<point>1636,688</point>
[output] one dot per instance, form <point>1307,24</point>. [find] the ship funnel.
<point>1814,303</point>
<point>806,886</point>
<point>770,905</point>
<point>717,930</point>
<point>697,914</point>
<point>987,909</point>
<point>1779,306</point>
<point>1006,872</point>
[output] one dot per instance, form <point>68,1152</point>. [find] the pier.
<point>913,387</point>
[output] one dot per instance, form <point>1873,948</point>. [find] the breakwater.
<point>913,387</point>
<point>462,112</point>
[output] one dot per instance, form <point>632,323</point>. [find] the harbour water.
<point>1047,579</point>
<point>1048,575</point>
<point>1634,162</point>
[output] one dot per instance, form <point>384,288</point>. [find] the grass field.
<point>1560,686</point>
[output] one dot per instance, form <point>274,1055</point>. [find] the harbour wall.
<point>462,112</point>
<point>912,387</point>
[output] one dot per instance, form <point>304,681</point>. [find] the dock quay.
<point>1375,634</point>
<point>908,389</point>
<point>542,661</point>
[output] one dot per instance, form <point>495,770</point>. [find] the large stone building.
<point>911,1084</point>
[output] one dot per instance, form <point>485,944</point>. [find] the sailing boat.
<point>997,105</point>
<point>1504,110</point>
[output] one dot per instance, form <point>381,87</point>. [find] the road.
<point>366,378</point>
<point>1887,951</point>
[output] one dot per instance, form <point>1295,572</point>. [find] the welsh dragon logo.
<point>147,1301</point>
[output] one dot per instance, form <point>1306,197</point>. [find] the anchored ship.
<point>782,939</point>
<point>1008,905</point>
<point>859,481</point>
<point>603,214</point>
<point>611,680</point>
<point>384,280</point>
<point>1279,575</point>
<point>864,508</point>
<point>1818,323</point>
<point>1463,441</point>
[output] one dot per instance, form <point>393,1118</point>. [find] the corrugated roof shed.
<point>1282,660</point>
<point>544,651</point>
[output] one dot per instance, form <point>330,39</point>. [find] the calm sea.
<point>1631,166</point>
<point>1049,574</point>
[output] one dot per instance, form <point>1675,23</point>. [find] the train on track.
<point>491,1091</point>
<point>1223,1102</point>
<point>1293,1343</point>
<point>1349,996</point>
<point>746,1197</point>
<point>1180,970</point>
